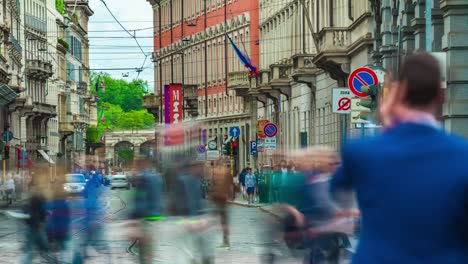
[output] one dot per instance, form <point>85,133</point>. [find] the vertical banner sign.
<point>173,103</point>
<point>260,126</point>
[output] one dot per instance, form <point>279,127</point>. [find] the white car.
<point>120,181</point>
<point>75,183</point>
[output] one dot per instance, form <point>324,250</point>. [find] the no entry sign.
<point>362,77</point>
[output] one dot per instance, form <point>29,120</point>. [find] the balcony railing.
<point>81,87</point>
<point>15,43</point>
<point>66,127</point>
<point>39,69</point>
<point>35,23</point>
<point>239,79</point>
<point>334,39</point>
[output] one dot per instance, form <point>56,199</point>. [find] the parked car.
<point>120,181</point>
<point>75,184</point>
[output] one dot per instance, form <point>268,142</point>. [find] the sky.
<point>121,51</point>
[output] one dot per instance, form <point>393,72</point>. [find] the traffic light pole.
<point>232,161</point>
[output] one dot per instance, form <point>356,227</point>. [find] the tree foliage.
<point>119,106</point>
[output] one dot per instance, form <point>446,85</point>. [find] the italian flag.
<point>103,118</point>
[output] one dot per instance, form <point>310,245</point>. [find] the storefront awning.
<point>45,156</point>
<point>7,95</point>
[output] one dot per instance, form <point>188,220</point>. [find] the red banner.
<point>173,104</point>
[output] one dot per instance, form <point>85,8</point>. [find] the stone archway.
<point>147,148</point>
<point>124,152</point>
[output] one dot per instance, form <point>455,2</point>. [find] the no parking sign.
<point>362,77</point>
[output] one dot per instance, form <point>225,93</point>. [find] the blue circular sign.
<point>270,130</point>
<point>201,149</point>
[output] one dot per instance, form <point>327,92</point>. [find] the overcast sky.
<point>121,51</point>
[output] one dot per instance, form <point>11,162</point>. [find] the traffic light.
<point>235,146</point>
<point>6,152</point>
<point>370,102</point>
<point>227,148</point>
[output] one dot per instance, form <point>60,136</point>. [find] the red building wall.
<point>213,17</point>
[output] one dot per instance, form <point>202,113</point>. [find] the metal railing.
<point>36,23</point>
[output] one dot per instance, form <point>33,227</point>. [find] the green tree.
<point>129,95</point>
<point>125,154</point>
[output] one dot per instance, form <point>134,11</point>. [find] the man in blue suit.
<point>411,181</point>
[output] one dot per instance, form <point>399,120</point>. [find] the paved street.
<point>249,236</point>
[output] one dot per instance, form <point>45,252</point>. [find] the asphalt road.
<point>249,239</point>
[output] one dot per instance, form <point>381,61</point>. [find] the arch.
<point>123,153</point>
<point>147,148</point>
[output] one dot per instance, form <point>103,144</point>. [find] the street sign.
<point>7,136</point>
<point>234,131</point>
<point>356,105</point>
<point>212,155</point>
<point>260,126</point>
<point>201,156</point>
<point>253,148</point>
<point>270,130</point>
<point>362,77</point>
<point>270,143</point>
<point>341,98</point>
<point>260,145</point>
<point>201,149</point>
<point>212,145</point>
<point>356,118</point>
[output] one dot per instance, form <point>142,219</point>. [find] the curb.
<point>246,205</point>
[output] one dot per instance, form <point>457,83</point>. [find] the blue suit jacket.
<point>412,187</point>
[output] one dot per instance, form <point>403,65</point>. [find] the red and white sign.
<point>362,77</point>
<point>173,103</point>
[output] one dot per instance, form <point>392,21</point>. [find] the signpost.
<point>270,143</point>
<point>212,155</point>
<point>253,148</point>
<point>201,149</point>
<point>260,145</point>
<point>234,131</point>
<point>362,77</point>
<point>212,145</point>
<point>260,126</point>
<point>341,98</point>
<point>270,130</point>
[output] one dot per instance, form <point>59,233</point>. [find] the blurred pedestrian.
<point>242,183</point>
<point>412,186</point>
<point>147,206</point>
<point>35,238</point>
<point>220,194</point>
<point>58,223</point>
<point>279,178</point>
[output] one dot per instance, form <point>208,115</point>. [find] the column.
<point>388,48</point>
<point>454,42</point>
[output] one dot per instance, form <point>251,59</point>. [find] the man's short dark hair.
<point>421,73</point>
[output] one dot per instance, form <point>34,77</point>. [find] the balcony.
<point>304,70</point>
<point>152,103</point>
<point>81,88</point>
<point>66,129</point>
<point>35,23</point>
<point>240,82</point>
<point>16,48</point>
<point>280,79</point>
<point>43,109</point>
<point>333,51</point>
<point>39,69</point>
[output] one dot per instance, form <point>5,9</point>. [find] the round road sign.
<point>270,130</point>
<point>201,149</point>
<point>344,104</point>
<point>362,77</point>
